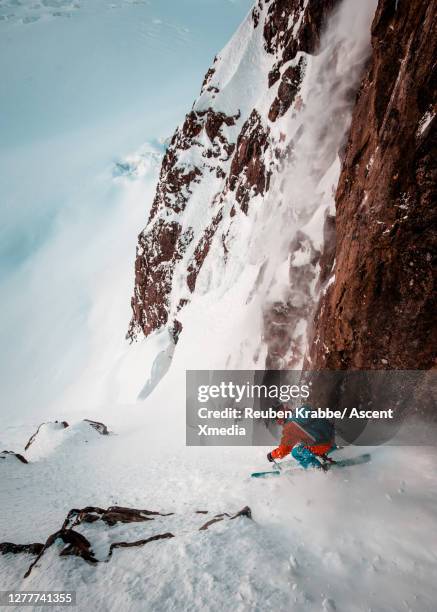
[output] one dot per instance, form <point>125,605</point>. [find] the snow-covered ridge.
<point>223,152</point>
<point>248,180</point>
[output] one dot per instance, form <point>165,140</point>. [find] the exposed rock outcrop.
<point>111,516</point>
<point>75,543</point>
<point>164,241</point>
<point>287,90</point>
<point>379,311</point>
<point>101,428</point>
<point>5,455</point>
<point>248,175</point>
<point>223,156</point>
<point>47,429</point>
<point>295,26</point>
<point>51,424</point>
<point>16,549</point>
<point>246,511</point>
<point>374,264</point>
<point>159,536</point>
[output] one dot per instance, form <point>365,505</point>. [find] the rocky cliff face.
<point>223,156</point>
<point>269,173</point>
<point>379,312</point>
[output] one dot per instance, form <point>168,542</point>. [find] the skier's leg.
<point>305,457</point>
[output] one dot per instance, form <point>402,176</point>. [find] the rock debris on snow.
<point>74,543</point>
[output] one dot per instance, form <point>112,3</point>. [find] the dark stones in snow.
<point>62,425</point>
<point>111,516</point>
<point>15,549</point>
<point>246,511</point>
<point>101,428</point>
<point>160,536</point>
<point>78,545</point>
<point>6,454</point>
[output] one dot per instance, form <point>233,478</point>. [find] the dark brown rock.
<point>380,311</point>
<point>62,424</point>
<point>157,253</point>
<point>162,243</point>
<point>201,251</point>
<point>176,330</point>
<point>209,523</point>
<point>16,549</point>
<point>249,175</point>
<point>287,90</point>
<point>282,40</point>
<point>209,74</point>
<point>283,16</point>
<point>246,512</point>
<point>160,536</point>
<point>111,516</point>
<point>99,427</point>
<point>5,454</point>
<point>327,258</point>
<point>76,544</point>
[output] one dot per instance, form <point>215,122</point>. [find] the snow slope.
<point>83,87</point>
<point>251,197</point>
<point>356,539</point>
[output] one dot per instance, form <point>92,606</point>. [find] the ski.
<point>340,463</point>
<point>360,459</point>
<point>265,474</point>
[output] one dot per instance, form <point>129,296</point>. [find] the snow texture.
<point>352,540</point>
<point>312,534</point>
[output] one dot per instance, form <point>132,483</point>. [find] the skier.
<point>306,439</point>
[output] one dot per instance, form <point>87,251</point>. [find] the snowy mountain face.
<point>248,188</point>
<point>246,192</point>
<point>247,237</point>
<point>87,104</point>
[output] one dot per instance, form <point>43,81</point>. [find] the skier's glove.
<point>269,457</point>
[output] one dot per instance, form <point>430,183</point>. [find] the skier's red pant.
<point>317,449</point>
